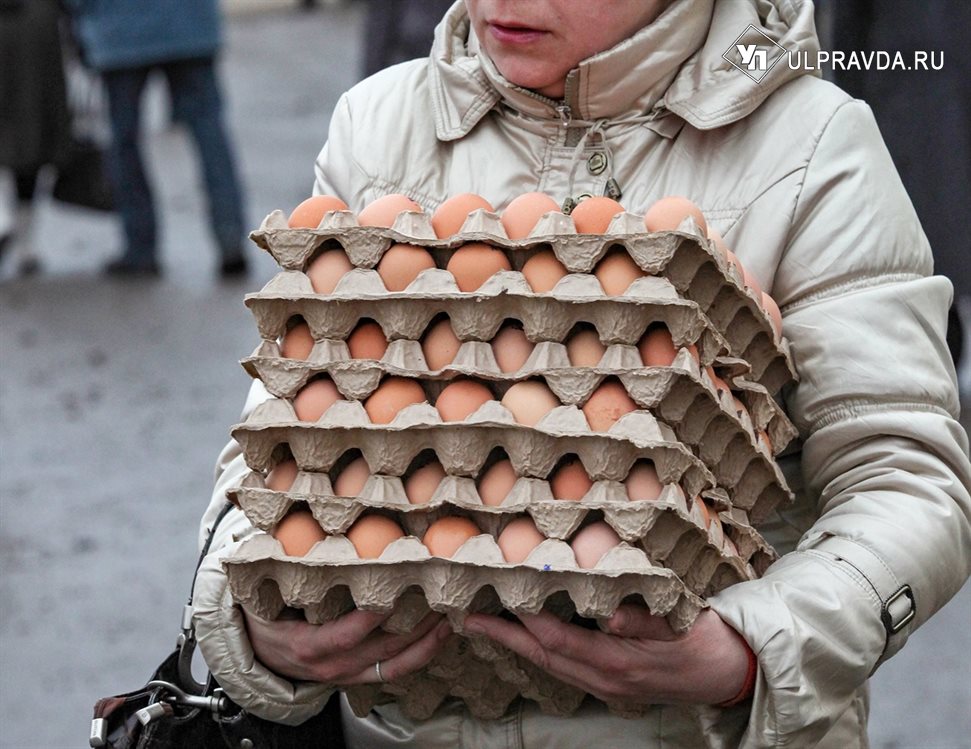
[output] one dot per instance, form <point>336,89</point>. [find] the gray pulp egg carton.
<point>685,257</point>
<point>667,529</point>
<point>681,395</point>
<point>330,580</point>
<point>462,447</point>
<point>478,315</point>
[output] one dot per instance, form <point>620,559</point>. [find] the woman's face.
<point>535,43</point>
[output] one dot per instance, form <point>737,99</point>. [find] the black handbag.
<point>174,711</point>
<point>82,177</point>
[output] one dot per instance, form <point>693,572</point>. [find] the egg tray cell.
<point>698,271</point>
<point>330,580</point>
<point>463,447</point>
<point>478,315</point>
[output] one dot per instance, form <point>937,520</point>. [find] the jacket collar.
<point>673,66</point>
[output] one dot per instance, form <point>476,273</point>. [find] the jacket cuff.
<point>816,629</point>
<point>225,646</point>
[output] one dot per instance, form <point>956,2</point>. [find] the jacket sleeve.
<point>220,628</point>
<point>884,459</point>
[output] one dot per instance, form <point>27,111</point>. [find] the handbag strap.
<point>186,641</point>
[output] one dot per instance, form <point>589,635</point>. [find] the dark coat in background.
<point>34,119</point>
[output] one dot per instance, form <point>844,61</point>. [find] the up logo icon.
<point>754,53</point>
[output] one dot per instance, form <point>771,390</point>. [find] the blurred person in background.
<point>35,127</point>
<point>925,120</point>
<point>126,40</point>
<point>399,30</point>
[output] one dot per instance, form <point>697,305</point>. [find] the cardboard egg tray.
<point>331,580</point>
<point>701,417</point>
<point>686,258</point>
<point>478,315</point>
<point>667,529</point>
<point>681,396</point>
<point>462,447</point>
<point>357,378</point>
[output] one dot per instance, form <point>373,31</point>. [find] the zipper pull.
<point>566,114</point>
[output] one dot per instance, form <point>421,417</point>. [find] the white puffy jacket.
<point>795,176</point>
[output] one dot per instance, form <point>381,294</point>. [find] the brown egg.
<point>521,215</point>
<point>298,532</point>
<point>421,485</point>
<point>733,260</point>
<point>450,215</point>
<point>327,269</point>
<point>543,271</point>
<point>752,284</point>
<point>444,537</point>
<point>475,263</point>
<point>616,271</point>
<point>740,408</point>
<point>775,316</point>
<point>297,342</point>
<point>511,348</point>
<point>658,350</point>
<point>729,547</point>
<point>702,510</point>
<point>719,383</point>
<point>367,341</point>
<point>371,535</point>
<point>530,401</point>
<point>440,345</point>
<point>592,542</point>
<point>764,436</point>
<point>570,481</point>
<point>392,395</point>
<point>496,483</point>
<point>462,398</point>
<point>401,264</point>
<point>593,215</point>
<point>350,481</point>
<point>642,482</point>
<point>281,476</point>
<point>384,210</point>
<point>584,349</point>
<point>606,405</point>
<point>667,214</point>
<point>719,242</point>
<point>310,212</point>
<point>518,539</point>
<point>314,398</point>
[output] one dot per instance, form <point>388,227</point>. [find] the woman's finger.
<point>525,642</point>
<point>379,646</point>
<point>417,655</point>
<point>630,620</point>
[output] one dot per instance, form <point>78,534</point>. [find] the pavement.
<point>115,398</point>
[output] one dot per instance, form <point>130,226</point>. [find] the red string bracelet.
<point>748,686</point>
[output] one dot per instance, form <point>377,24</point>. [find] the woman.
<point>518,96</point>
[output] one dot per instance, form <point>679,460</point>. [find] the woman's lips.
<point>514,34</point>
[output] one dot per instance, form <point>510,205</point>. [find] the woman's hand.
<point>343,652</point>
<point>641,661</point>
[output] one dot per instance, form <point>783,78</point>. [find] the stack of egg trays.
<point>670,531</point>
